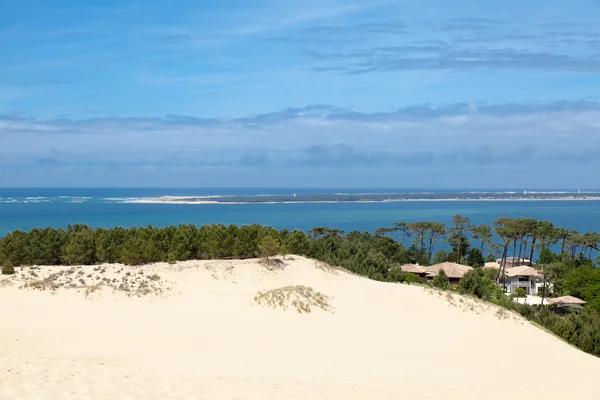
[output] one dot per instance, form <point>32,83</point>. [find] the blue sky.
<point>331,93</point>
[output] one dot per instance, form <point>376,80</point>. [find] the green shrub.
<point>475,258</point>
<point>491,273</point>
<point>410,278</point>
<point>522,309</point>
<point>7,268</point>
<point>587,323</point>
<point>424,281</point>
<point>441,280</point>
<point>520,292</point>
<point>479,283</point>
<point>396,275</point>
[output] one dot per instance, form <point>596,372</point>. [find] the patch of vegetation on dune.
<point>42,284</point>
<point>302,298</point>
<point>132,284</point>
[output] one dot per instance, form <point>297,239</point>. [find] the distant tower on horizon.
<point>525,191</point>
<point>578,191</point>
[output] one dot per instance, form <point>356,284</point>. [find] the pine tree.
<point>268,247</point>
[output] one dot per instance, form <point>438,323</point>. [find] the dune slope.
<point>219,330</point>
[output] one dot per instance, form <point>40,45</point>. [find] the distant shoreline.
<point>316,197</point>
<point>333,199</point>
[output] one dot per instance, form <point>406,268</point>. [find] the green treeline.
<point>570,268</point>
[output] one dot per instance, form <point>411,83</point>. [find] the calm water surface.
<point>29,208</point>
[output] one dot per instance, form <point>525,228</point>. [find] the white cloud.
<point>532,134</point>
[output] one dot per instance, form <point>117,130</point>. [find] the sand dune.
<point>194,330</point>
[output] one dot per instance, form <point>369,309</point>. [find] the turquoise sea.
<point>36,207</point>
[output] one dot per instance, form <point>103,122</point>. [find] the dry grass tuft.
<point>326,267</point>
<point>222,270</point>
<point>6,282</point>
<point>91,289</point>
<point>131,284</point>
<point>302,298</point>
<point>140,287</point>
<point>502,313</point>
<point>450,299</point>
<point>272,263</point>
<point>42,284</point>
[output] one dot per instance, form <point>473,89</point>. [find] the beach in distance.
<point>370,197</point>
<point>230,329</point>
<point>107,207</point>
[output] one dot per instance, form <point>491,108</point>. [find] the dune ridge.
<point>195,329</point>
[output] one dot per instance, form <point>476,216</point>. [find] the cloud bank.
<point>458,45</point>
<point>513,138</point>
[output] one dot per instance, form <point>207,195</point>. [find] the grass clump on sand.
<point>302,298</point>
<point>502,313</point>
<point>132,285</point>
<point>92,289</point>
<point>43,284</point>
<point>7,268</point>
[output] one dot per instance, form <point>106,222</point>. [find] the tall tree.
<point>540,229</point>
<point>546,234</point>
<point>589,242</point>
<point>458,235</point>
<point>420,229</point>
<point>324,231</point>
<point>384,230</point>
<point>268,247</point>
<point>435,231</point>
<point>483,233</point>
<point>563,235</point>
<point>574,242</point>
<point>505,228</point>
<point>403,227</point>
<point>526,229</point>
<point>80,248</point>
<point>296,242</point>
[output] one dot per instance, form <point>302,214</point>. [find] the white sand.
<point>199,334</point>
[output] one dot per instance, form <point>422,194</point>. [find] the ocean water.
<point>29,208</point>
